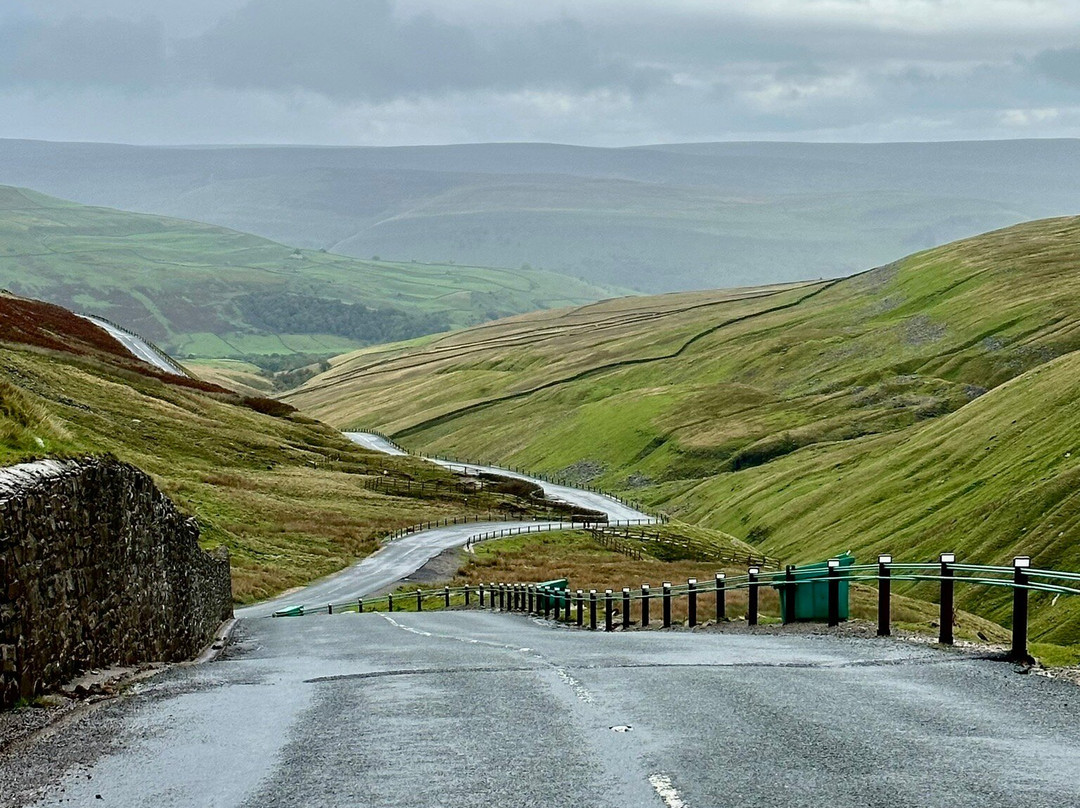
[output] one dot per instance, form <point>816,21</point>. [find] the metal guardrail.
<point>570,606</point>
<point>659,516</point>
<point>610,537</point>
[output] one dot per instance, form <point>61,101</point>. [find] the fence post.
<point>390,602</point>
<point>480,589</point>
<point>884,603</point>
<point>419,600</point>
<point>691,602</point>
<point>466,595</point>
<point>834,591</point>
<point>544,594</point>
<point>607,610</point>
<point>529,595</point>
<point>645,598</point>
<point>359,605</point>
<point>592,610</point>
<point>580,608</point>
<point>666,586</point>
<point>945,635</point>
<point>492,597</point>
<point>556,604</point>
<point>1020,610</point>
<point>721,598</point>
<point>789,594</point>
<point>446,597</point>
<point>329,608</point>
<point>751,596</point>
<point>626,607</point>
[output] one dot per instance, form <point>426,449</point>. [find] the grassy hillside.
<point>924,406</point>
<point>656,219</point>
<point>285,494</point>
<point>203,291</point>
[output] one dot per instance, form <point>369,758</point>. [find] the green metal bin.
<point>812,597</point>
<point>559,585</point>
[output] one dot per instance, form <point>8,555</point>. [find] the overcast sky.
<point>596,72</point>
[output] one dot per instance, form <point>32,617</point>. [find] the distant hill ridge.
<point>654,218</point>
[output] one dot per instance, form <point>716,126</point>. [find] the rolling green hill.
<point>927,405</point>
<point>655,219</point>
<point>205,292</point>
<point>284,493</point>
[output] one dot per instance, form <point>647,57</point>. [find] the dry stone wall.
<point>98,567</point>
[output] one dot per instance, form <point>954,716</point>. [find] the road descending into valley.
<point>405,556</point>
<point>478,710</point>
<point>475,709</point>
<point>138,347</point>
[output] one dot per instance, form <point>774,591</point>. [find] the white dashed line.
<point>662,785</point>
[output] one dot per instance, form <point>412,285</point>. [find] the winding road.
<point>398,559</point>
<point>482,710</point>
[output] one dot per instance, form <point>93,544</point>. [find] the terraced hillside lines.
<point>203,291</point>
<point>528,350</point>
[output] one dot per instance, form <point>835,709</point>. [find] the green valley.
<point>202,291</point>
<point>922,406</point>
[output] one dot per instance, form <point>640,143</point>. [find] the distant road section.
<point>615,510</point>
<point>139,347</point>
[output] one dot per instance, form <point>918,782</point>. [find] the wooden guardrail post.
<point>721,598</point>
<point>607,610</point>
<point>646,596</point>
<point>419,600</point>
<point>789,594</point>
<point>626,607</point>
<point>466,595</point>
<point>592,610</point>
<point>531,598</point>
<point>691,602</point>
<point>480,595</point>
<point>390,602</point>
<point>945,632</point>
<point>884,604</point>
<point>359,605</point>
<point>329,608</point>
<point>1020,610</point>
<point>833,566</point>
<point>580,608</point>
<point>752,596</point>
<point>666,587</point>
<point>545,594</point>
<point>446,597</point>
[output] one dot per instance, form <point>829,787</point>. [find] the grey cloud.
<point>1061,65</point>
<point>82,52</point>
<point>359,49</point>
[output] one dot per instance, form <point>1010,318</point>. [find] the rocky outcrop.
<point>98,567</point>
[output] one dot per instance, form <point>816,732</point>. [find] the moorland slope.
<point>284,493</point>
<point>926,405</point>
<point>203,291</point>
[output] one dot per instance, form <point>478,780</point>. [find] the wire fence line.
<point>556,601</point>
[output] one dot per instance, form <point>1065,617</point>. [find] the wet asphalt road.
<point>136,346</point>
<point>403,557</point>
<point>482,709</point>
<point>616,511</point>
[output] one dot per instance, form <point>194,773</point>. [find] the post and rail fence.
<point>561,604</point>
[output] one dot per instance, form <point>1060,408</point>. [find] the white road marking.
<point>579,689</point>
<point>661,783</point>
